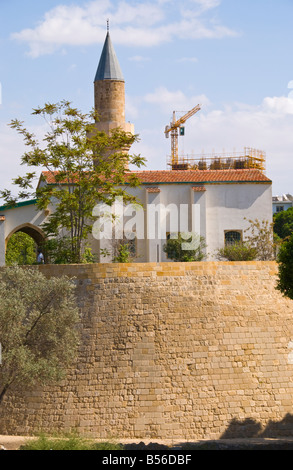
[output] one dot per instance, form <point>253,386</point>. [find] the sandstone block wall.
<point>110,100</point>
<point>171,351</point>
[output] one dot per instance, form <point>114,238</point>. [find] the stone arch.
<point>34,232</point>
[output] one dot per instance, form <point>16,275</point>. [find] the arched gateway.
<point>23,217</point>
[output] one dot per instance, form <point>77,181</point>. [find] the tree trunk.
<point>3,392</point>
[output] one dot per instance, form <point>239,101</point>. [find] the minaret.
<point>110,91</point>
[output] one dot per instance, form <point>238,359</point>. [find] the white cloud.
<point>11,150</point>
<point>266,126</point>
<point>140,14</point>
<point>139,58</point>
<point>138,24</point>
<point>132,107</point>
<point>174,100</point>
<point>188,59</point>
<point>64,26</point>
<point>208,4</point>
<point>279,105</point>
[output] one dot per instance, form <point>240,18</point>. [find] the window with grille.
<point>232,237</point>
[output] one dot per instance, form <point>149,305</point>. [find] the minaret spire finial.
<point>108,25</point>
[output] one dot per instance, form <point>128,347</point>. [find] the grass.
<point>68,443</point>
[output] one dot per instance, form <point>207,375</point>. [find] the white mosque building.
<point>214,199</point>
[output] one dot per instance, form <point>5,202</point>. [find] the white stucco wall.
<point>228,205</point>
<point>219,208</point>
<point>223,207</point>
<point>26,215</point>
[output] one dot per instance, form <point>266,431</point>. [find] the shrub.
<point>123,255</point>
<point>238,252</point>
<point>69,443</point>
<point>174,248</point>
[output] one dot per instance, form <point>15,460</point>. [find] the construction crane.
<point>173,129</point>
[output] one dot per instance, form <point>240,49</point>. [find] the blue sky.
<point>235,57</point>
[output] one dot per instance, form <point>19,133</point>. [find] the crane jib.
<point>173,128</point>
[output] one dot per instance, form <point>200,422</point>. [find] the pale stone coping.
<point>105,270</point>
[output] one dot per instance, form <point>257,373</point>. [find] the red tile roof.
<point>202,176</point>
<point>190,176</point>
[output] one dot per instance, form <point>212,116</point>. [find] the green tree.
<point>285,266</point>
<point>86,166</point>
<point>283,223</point>
<point>174,248</point>
<point>21,250</point>
<point>38,328</point>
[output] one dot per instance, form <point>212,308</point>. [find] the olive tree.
<point>38,328</point>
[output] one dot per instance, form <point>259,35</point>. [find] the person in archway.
<point>40,257</point>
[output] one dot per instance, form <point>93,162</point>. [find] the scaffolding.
<point>248,159</point>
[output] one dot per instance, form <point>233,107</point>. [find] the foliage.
<point>260,243</point>
<point>120,250</point>
<point>38,334</point>
<point>174,248</point>
<point>283,223</point>
<point>87,167</point>
<point>285,263</point>
<point>68,443</point>
<point>261,238</point>
<point>239,251</point>
<point>123,255</point>
<point>88,256</point>
<point>58,251</point>
<point>21,250</point>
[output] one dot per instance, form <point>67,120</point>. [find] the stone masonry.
<point>110,101</point>
<point>169,351</point>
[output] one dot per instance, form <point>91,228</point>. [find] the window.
<point>130,239</point>
<point>132,247</point>
<point>279,208</point>
<point>232,237</point>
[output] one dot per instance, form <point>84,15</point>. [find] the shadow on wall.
<point>252,429</point>
<point>240,435</point>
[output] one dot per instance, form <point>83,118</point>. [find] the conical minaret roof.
<point>109,68</point>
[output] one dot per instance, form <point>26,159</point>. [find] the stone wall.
<point>110,100</point>
<point>171,351</point>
